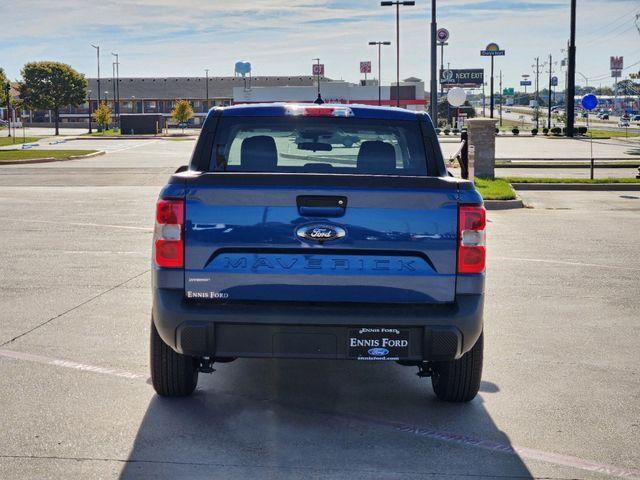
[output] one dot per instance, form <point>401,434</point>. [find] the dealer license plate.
<point>378,343</point>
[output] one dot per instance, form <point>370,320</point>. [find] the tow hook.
<point>206,365</point>
<point>424,370</point>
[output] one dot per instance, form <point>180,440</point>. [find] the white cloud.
<point>165,37</point>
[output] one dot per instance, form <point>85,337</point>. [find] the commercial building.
<point>158,95</point>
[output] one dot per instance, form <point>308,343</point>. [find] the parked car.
<point>623,123</point>
<point>271,247</point>
<point>603,116</point>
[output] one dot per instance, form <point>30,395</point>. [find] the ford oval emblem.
<point>320,232</point>
<point>378,352</point>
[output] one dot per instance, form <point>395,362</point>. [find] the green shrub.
<point>515,131</point>
<point>438,131</point>
<point>447,131</point>
<point>545,130</point>
<point>556,131</point>
<point>534,131</point>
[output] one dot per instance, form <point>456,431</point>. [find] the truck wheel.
<point>459,380</point>
<point>172,374</point>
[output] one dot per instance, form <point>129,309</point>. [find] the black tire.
<point>172,374</point>
<point>459,380</point>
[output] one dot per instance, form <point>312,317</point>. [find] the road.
<point>559,399</point>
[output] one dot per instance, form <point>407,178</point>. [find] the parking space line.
<point>129,147</point>
<point>81,304</point>
<point>562,262</point>
<point>425,432</point>
<point>68,364</point>
<point>81,224</point>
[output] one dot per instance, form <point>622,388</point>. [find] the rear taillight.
<point>168,234</point>
<point>472,220</point>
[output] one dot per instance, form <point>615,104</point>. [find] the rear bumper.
<point>302,330</point>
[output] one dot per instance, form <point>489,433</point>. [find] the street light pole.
<point>571,73</point>
<point>7,91</point>
<point>379,44</point>
<point>89,102</point>
<point>319,100</point>
<point>206,72</point>
<point>98,54</point>
<point>116,92</point>
<point>434,60</point>
<point>397,5</point>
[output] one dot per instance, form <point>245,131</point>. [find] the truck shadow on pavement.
<point>317,419</point>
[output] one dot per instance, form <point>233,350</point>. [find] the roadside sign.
<point>508,92</point>
<point>589,102</point>
<point>471,77</point>
<point>442,34</point>
<point>554,81</point>
<point>365,67</point>
<point>525,83</point>
<point>318,69</point>
<point>492,50</point>
<point>456,97</point>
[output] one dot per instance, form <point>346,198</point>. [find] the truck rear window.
<point>299,144</point>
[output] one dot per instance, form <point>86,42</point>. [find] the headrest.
<point>259,154</point>
<point>376,157</point>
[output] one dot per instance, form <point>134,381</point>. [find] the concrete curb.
<point>503,204</point>
<point>600,187</point>
<point>52,159</point>
<point>134,137</point>
<point>559,164</point>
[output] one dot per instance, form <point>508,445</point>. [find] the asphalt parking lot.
<point>561,391</point>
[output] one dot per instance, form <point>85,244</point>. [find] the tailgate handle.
<point>321,206</point>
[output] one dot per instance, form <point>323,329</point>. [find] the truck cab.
<point>318,232</point>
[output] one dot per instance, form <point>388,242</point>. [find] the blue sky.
<point>170,38</point>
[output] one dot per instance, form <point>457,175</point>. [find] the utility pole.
<point>98,54</point>
<point>537,107</point>
<point>549,96</point>
<point>571,74</point>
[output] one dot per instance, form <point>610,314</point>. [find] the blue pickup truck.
<point>318,232</point>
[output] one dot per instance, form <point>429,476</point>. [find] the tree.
<point>50,86</point>
<point>182,111</point>
<point>3,82</point>
<point>102,116</point>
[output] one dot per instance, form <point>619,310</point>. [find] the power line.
<point>599,28</point>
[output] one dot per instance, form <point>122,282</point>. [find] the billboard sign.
<point>554,81</point>
<point>318,69</point>
<point>365,67</point>
<point>617,63</point>
<point>525,83</point>
<point>471,77</point>
<point>492,50</point>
